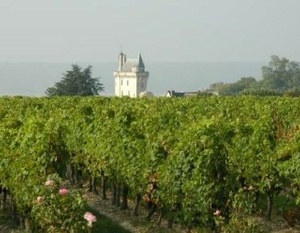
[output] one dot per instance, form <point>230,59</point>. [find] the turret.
<point>122,60</point>
<point>140,65</point>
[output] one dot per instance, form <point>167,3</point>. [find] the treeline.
<point>205,162</point>
<point>280,77</point>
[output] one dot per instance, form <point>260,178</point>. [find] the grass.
<point>7,225</point>
<point>104,224</point>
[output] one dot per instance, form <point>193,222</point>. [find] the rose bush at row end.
<point>58,209</point>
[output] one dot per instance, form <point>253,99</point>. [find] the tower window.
<point>127,82</point>
<point>121,82</point>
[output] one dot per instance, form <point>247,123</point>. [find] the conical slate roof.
<point>134,63</point>
<point>140,61</point>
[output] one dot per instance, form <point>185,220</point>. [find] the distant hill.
<point>32,79</point>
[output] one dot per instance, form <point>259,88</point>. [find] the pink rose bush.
<point>58,210</point>
<point>88,216</point>
<point>63,192</point>
<point>219,220</point>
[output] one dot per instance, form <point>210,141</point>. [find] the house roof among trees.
<point>181,94</point>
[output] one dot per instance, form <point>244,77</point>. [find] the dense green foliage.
<point>281,76</point>
<point>205,154</point>
<point>76,82</point>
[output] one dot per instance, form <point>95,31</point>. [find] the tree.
<point>76,82</point>
<point>243,84</point>
<point>281,75</point>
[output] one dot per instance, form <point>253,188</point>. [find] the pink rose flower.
<point>40,199</point>
<point>217,213</point>
<point>63,191</point>
<point>88,216</point>
<point>50,183</point>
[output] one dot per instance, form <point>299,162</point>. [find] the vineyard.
<point>207,163</point>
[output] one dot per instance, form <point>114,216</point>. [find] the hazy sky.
<point>162,30</point>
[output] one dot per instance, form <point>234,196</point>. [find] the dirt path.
<point>125,218</point>
<point>139,224</point>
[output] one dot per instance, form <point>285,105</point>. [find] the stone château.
<point>131,78</point>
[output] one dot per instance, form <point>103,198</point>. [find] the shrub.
<point>58,209</point>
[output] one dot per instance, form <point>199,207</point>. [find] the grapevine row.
<point>196,159</point>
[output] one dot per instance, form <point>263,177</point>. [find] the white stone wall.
<point>142,82</point>
<point>130,83</point>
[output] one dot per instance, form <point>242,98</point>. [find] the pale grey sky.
<point>175,30</point>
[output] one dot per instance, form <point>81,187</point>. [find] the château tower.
<point>131,77</point>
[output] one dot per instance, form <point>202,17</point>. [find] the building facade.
<point>131,78</point>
